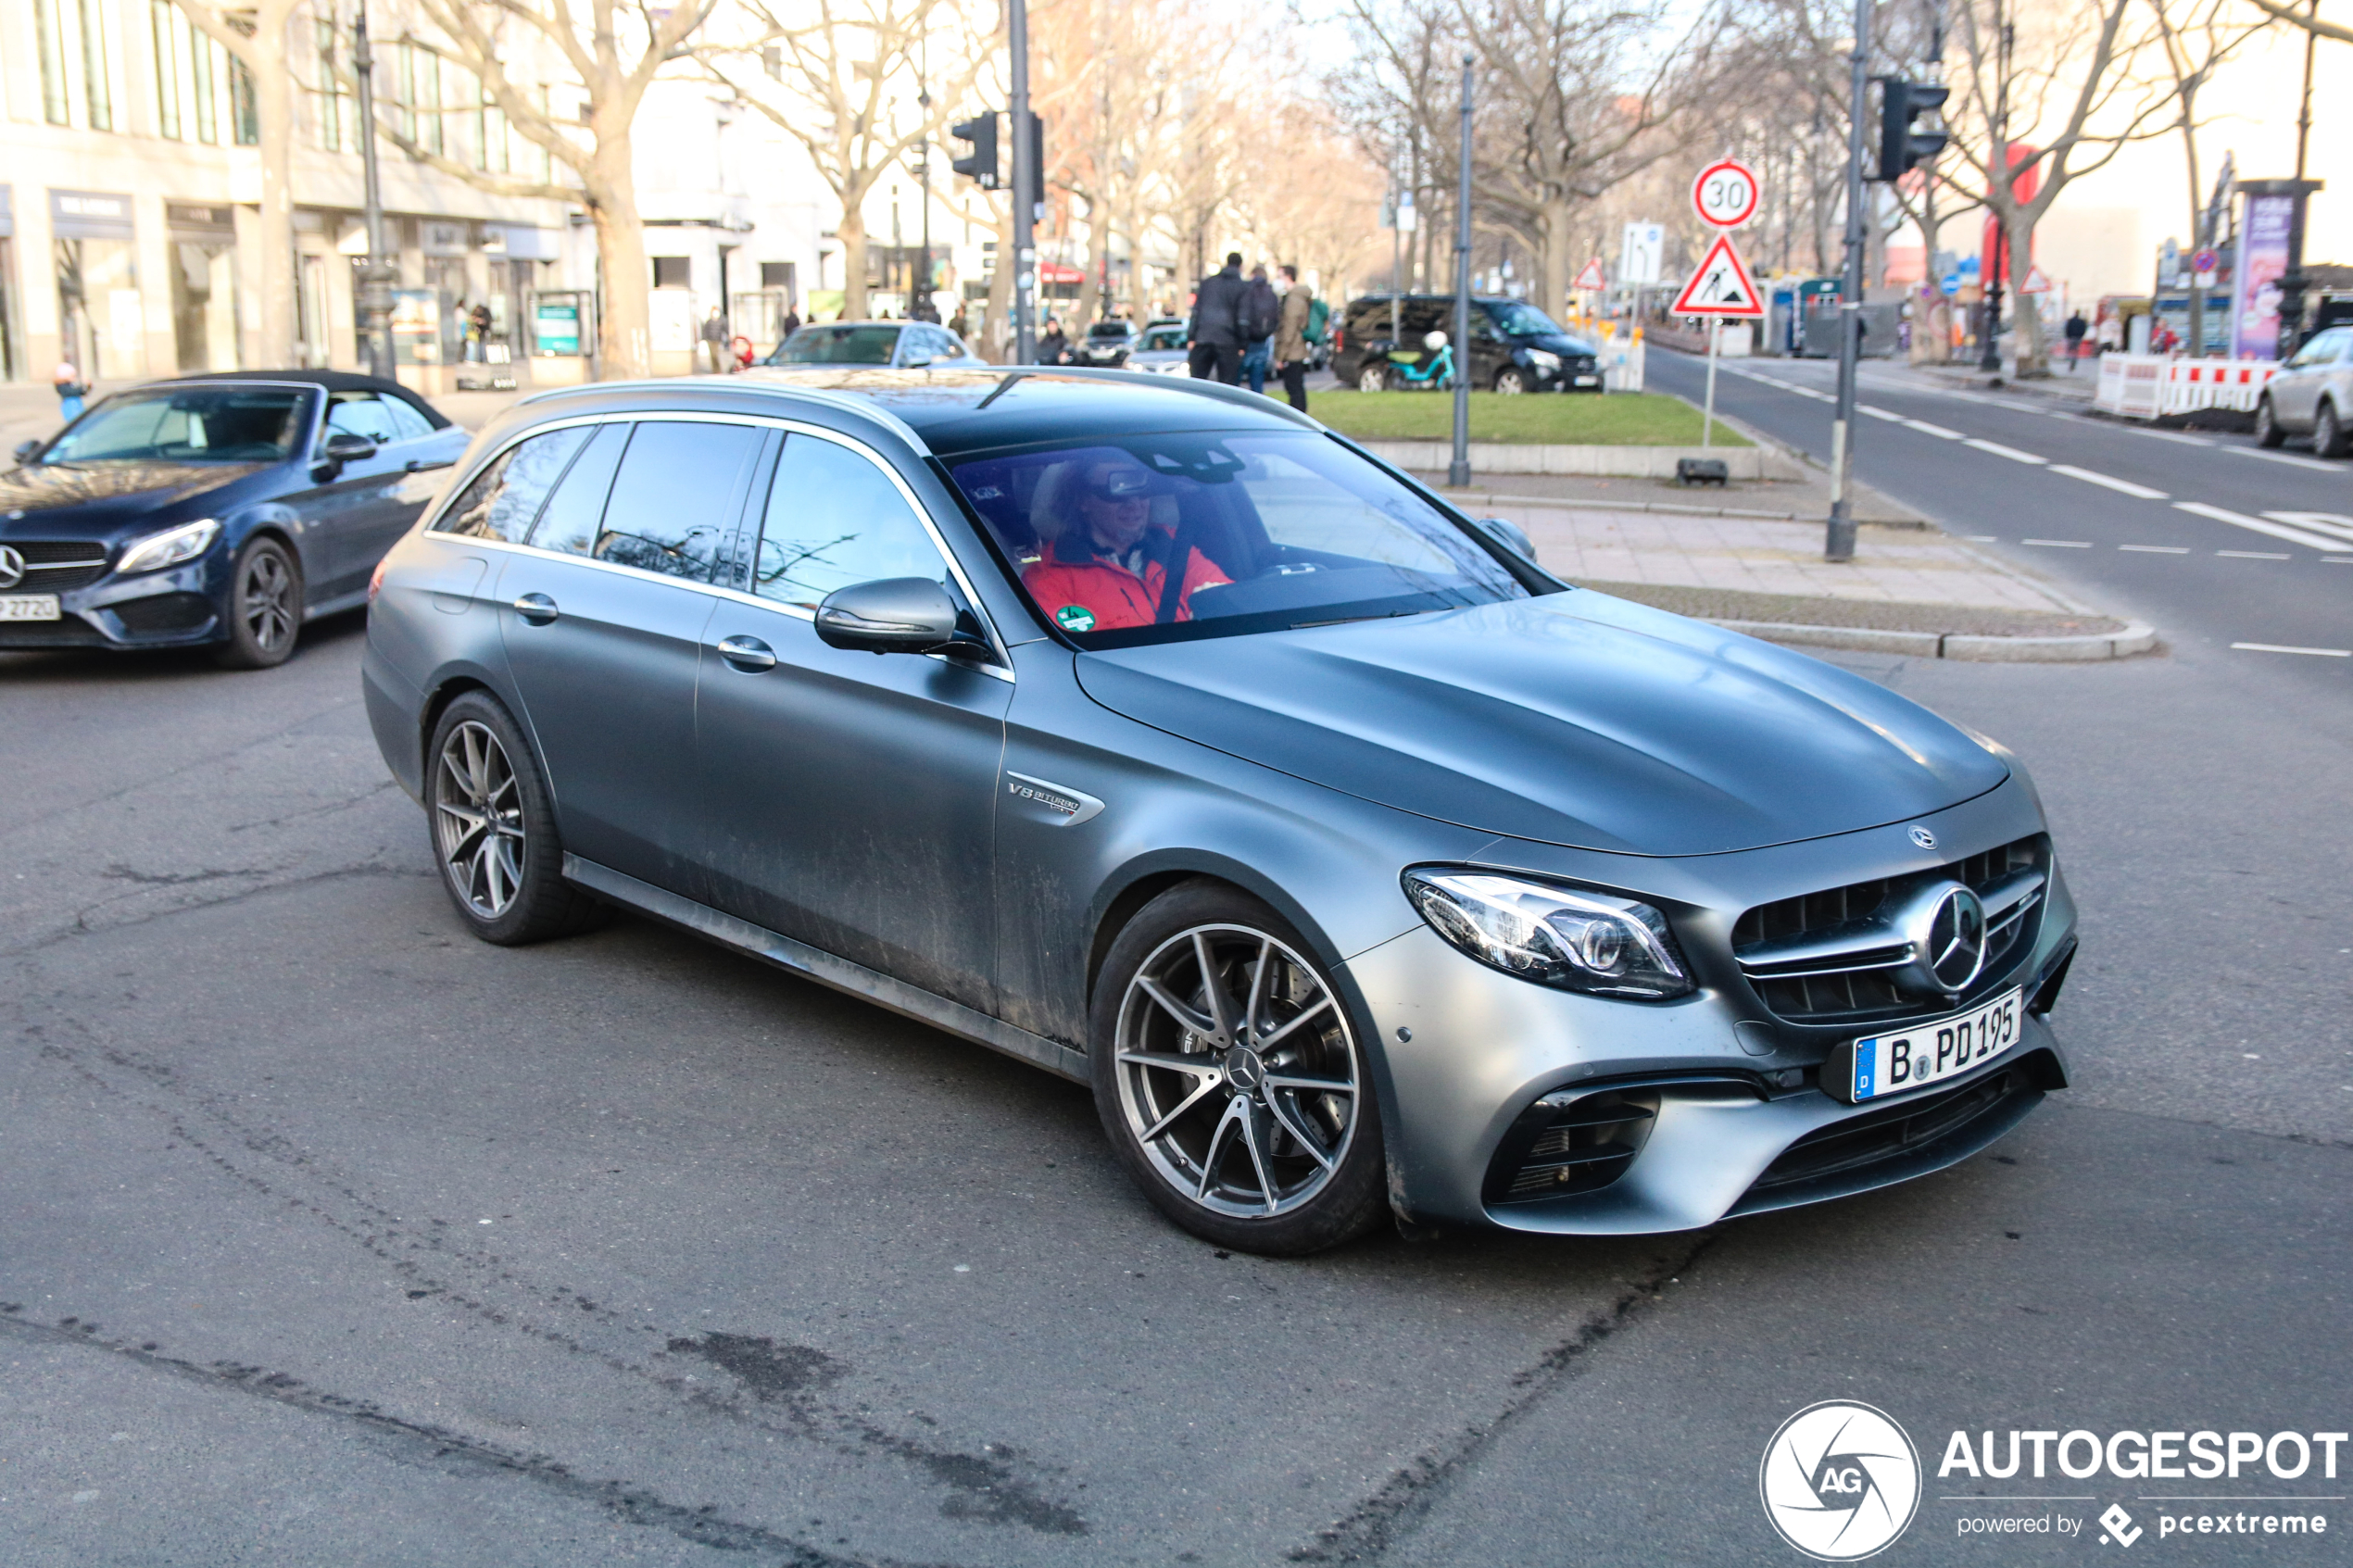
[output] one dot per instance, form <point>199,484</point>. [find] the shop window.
<point>244,110</point>
<point>672,272</point>
<point>95,77</point>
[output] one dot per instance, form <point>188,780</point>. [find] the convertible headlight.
<point>1544,358</point>
<point>1577,941</point>
<point>170,548</point>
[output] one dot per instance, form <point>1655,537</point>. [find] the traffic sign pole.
<point>1721,288</point>
<point>1725,196</point>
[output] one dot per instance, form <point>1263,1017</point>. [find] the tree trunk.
<point>273,93</point>
<point>1001,284</point>
<point>624,324</point>
<point>2026,309</point>
<point>1553,274</point>
<point>855,306</point>
<point>1093,302</point>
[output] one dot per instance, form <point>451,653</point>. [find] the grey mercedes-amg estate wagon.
<point>1151,732</point>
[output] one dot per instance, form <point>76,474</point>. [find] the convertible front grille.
<point>1831,956</point>
<point>53,565</point>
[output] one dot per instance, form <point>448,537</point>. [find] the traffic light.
<point>980,167</point>
<point>1900,147</point>
<point>1036,160</point>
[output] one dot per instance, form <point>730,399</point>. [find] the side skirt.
<point>907,1001</point>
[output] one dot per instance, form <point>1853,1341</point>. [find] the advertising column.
<point>2263,260</point>
<point>101,324</point>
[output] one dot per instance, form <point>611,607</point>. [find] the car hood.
<point>1574,719</point>
<point>1555,343</point>
<point>96,501</point>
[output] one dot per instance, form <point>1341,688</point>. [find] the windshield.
<point>1108,329</point>
<point>213,424</point>
<point>1521,319</point>
<point>1165,338</point>
<point>1270,531</point>
<point>840,345</point>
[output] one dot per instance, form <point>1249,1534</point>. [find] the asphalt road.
<point>331,1235</point>
<point>2134,518</point>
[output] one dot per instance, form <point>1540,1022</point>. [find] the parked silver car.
<point>1161,350</point>
<point>2312,394</point>
<point>1360,866</point>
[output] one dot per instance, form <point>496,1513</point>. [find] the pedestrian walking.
<point>714,341</point>
<point>1053,349</point>
<point>961,324</point>
<point>1214,335</point>
<point>71,389</point>
<point>2075,330</point>
<point>478,323</point>
<point>1291,347</point>
<point>1262,314</point>
<point>791,325</point>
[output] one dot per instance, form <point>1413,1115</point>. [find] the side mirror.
<point>342,446</point>
<point>899,615</point>
<point>25,449</point>
<point>1511,536</point>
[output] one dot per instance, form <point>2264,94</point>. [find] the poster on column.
<point>2255,304</point>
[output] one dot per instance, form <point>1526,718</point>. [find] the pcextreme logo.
<point>1840,1481</point>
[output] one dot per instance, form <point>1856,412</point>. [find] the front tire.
<point>494,830</point>
<point>1511,380</point>
<point>2267,425</point>
<point>1231,1079</point>
<point>2328,431</point>
<point>265,607</point>
<point>1372,377</point>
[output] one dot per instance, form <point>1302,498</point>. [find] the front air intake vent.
<point>1569,1143</point>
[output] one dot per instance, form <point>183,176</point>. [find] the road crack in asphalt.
<point>81,926</point>
<point>780,1385</point>
<point>453,1451</point>
<point>1397,1508</point>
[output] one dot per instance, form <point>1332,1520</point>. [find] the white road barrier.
<point>2148,386</point>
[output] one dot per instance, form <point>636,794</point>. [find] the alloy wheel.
<point>477,807</point>
<point>1511,381</point>
<point>1372,377</point>
<point>1238,1074</point>
<point>265,600</point>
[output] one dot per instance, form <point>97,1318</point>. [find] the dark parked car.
<point>220,510</point>
<point>904,344</point>
<point>1360,865</point>
<point>1106,345</point>
<point>1514,347</point>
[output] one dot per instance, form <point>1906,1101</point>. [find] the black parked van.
<point>1513,346</point>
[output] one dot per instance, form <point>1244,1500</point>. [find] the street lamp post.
<point>375,277</point>
<point>1838,543</point>
<point>1458,472</point>
<point>1990,352</point>
<point>1025,195</point>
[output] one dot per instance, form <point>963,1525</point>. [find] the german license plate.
<point>1904,1059</point>
<point>28,606</point>
<point>1589,381</point>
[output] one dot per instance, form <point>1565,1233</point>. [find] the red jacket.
<point>1105,595</point>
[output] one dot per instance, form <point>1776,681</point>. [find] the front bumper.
<point>179,608</point>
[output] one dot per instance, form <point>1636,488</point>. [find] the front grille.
<point>1895,1129</point>
<point>53,565</point>
<point>162,613</point>
<point>1854,972</point>
<point>1566,1144</point>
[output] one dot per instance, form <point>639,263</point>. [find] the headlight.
<point>169,547</point>
<point>1544,358</point>
<point>1576,941</point>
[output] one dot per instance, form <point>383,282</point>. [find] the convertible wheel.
<point>2267,425</point>
<point>494,834</point>
<point>265,607</point>
<point>1372,377</point>
<point>2328,431</point>
<point>1511,379</point>
<point>1230,1079</point>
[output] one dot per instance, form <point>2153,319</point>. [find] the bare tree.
<point>2194,37</point>
<point>613,51</point>
<point>2310,21</point>
<point>255,35</point>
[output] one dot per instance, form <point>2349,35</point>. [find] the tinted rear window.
<point>840,346</point>
<point>505,497</point>
<point>677,497</point>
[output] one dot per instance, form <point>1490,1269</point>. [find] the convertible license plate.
<point>28,606</point>
<point>1900,1061</point>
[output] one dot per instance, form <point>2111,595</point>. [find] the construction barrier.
<point>2149,386</point>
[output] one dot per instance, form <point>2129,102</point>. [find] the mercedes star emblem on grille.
<point>11,566</point>
<point>1956,947</point>
<point>1924,838</point>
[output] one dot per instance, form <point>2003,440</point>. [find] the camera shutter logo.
<point>1840,1481</point>
<point>11,566</point>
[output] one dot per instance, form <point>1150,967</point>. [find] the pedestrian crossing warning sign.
<point>1722,286</point>
<point>1592,276</point>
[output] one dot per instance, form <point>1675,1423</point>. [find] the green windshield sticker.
<point>1075,618</point>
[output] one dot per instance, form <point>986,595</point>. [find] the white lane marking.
<point>2122,486</point>
<point>1927,429</point>
<point>2059,543</point>
<point>2319,522</point>
<point>1981,538</point>
<point>1878,413</point>
<point>2012,453</point>
<point>2158,549</point>
<point>2255,554</point>
<point>2280,647</point>
<point>2259,525</point>
<point>2336,560</point>
<point>2290,458</point>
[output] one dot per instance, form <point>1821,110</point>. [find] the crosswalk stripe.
<point>2124,486</point>
<point>2259,525</point>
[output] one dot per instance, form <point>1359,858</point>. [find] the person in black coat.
<point>1215,336</point>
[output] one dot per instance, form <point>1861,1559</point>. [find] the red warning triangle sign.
<point>1592,276</point>
<point>1722,286</point>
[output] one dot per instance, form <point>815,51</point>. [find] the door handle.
<point>537,609</point>
<point>748,654</point>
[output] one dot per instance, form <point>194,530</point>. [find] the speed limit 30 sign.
<point>1725,193</point>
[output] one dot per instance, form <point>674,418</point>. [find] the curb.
<point>1490,497</point>
<point>1751,463</point>
<point>2134,639</point>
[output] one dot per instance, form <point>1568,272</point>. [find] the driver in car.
<point>1110,568</point>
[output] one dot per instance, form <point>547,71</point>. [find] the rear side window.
<point>677,497</point>
<point>505,497</point>
<point>576,512</point>
<point>406,422</point>
<point>835,519</point>
<point>361,413</point>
